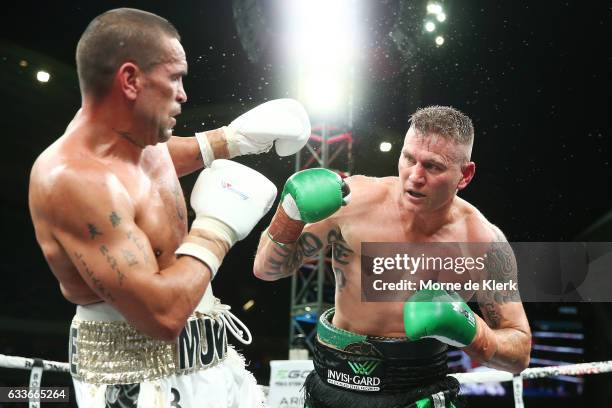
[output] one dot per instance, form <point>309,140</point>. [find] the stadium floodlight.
<point>385,147</point>
<point>434,8</point>
<point>323,47</point>
<point>43,76</point>
<point>439,40</point>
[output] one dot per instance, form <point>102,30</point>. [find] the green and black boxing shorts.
<point>353,370</point>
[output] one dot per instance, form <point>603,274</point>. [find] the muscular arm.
<point>186,155</point>
<point>503,337</point>
<point>92,217</point>
<point>273,261</point>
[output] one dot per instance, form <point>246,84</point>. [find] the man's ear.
<point>467,174</point>
<point>130,80</point>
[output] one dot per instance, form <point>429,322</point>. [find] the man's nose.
<point>417,174</point>
<point>181,96</point>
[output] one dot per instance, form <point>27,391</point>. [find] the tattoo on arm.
<point>93,231</point>
<point>112,262</point>
<point>500,265</point>
<point>94,280</point>
<point>132,237</point>
<point>489,312</point>
<point>286,261</point>
<point>115,219</point>
<point>129,257</point>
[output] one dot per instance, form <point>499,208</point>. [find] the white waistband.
<point>209,305</point>
<point>103,312</point>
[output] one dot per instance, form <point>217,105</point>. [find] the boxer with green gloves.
<point>374,352</point>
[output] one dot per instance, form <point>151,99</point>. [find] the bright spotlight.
<point>434,8</point>
<point>441,17</point>
<point>439,40</point>
<point>430,26</point>
<point>385,147</point>
<point>323,49</point>
<point>43,76</point>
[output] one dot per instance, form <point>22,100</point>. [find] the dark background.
<point>533,76</point>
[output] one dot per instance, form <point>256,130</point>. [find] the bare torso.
<point>374,216</point>
<point>149,183</point>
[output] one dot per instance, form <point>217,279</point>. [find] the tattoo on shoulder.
<point>97,284</point>
<point>115,219</point>
<point>93,231</point>
<point>500,265</point>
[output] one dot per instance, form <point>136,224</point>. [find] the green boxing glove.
<point>439,315</point>
<point>313,195</point>
<point>309,196</point>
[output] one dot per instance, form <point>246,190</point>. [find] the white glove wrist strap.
<point>208,156</point>
<point>201,253</point>
<point>219,228</point>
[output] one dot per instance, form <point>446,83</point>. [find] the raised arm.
<point>283,122</point>
<point>310,196</point>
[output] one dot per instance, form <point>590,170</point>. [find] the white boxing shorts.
<point>114,365</point>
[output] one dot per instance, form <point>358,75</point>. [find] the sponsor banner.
<point>286,382</point>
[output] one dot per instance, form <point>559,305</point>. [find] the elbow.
<point>260,271</point>
<point>165,328</point>
<point>522,362</point>
<point>170,330</point>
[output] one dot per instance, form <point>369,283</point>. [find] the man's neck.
<point>107,133</point>
<point>428,223</point>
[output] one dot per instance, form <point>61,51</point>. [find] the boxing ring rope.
<point>596,367</point>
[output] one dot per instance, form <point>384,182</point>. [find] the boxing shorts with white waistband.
<point>114,365</point>
<point>355,370</point>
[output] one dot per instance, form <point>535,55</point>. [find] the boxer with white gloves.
<point>109,214</point>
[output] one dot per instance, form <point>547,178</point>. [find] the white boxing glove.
<point>283,122</point>
<point>228,199</point>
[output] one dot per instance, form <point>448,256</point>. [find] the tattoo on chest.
<point>178,195</point>
<point>340,254</point>
<point>93,231</point>
<point>114,219</point>
<point>97,284</point>
<point>340,278</point>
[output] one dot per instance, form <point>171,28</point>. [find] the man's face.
<point>431,169</point>
<point>162,93</point>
